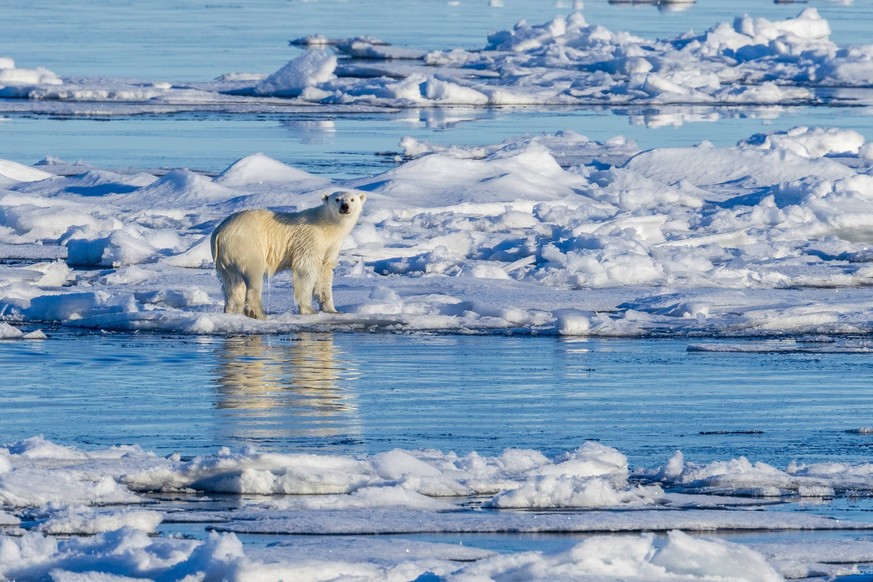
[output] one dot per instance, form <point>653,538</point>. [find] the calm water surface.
<point>361,393</point>
<point>351,145</point>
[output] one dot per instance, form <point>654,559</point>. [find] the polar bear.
<point>253,243</point>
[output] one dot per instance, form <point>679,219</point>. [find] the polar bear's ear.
<point>363,196</point>
<point>325,196</point>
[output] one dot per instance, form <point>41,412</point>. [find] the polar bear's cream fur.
<point>254,243</point>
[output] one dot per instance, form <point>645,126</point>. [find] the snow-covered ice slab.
<point>409,521</point>
<point>131,553</point>
<point>770,236</point>
<point>786,347</point>
<point>118,501</point>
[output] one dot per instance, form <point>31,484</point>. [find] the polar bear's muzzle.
<point>344,207</point>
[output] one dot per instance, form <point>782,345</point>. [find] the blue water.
<point>364,393</point>
<point>350,145</point>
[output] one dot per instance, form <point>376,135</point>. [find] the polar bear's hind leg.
<point>254,285</point>
<point>234,291</point>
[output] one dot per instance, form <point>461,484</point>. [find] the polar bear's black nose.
<point>344,207</point>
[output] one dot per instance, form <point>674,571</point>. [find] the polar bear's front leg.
<point>324,288</point>
<point>303,280</point>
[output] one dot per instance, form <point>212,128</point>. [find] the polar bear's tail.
<point>213,245</point>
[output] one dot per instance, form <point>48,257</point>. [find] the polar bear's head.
<point>345,204</point>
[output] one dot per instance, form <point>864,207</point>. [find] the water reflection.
<point>312,131</point>
<point>663,5</point>
<point>277,387</point>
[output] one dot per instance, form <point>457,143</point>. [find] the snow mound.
<point>309,69</point>
<point>11,172</point>
<point>11,77</point>
<point>179,189</point>
<point>258,169</point>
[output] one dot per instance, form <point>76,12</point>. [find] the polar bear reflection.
<point>288,386</point>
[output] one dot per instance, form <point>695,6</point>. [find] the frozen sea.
<point>614,326</point>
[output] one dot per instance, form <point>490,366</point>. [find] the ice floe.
<point>547,234</point>
<point>567,60</point>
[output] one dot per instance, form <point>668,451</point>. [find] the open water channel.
<point>366,393</point>
<point>351,394</point>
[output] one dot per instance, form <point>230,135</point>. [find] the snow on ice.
<point>102,498</point>
<point>552,234</point>
<point>566,61</point>
<point>545,234</point>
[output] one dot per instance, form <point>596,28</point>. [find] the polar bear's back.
<point>270,241</point>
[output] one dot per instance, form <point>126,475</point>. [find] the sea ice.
<point>721,240</point>
<point>405,491</point>
<point>748,61</point>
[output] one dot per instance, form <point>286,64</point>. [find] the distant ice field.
<point>198,46</point>
<point>165,40</point>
